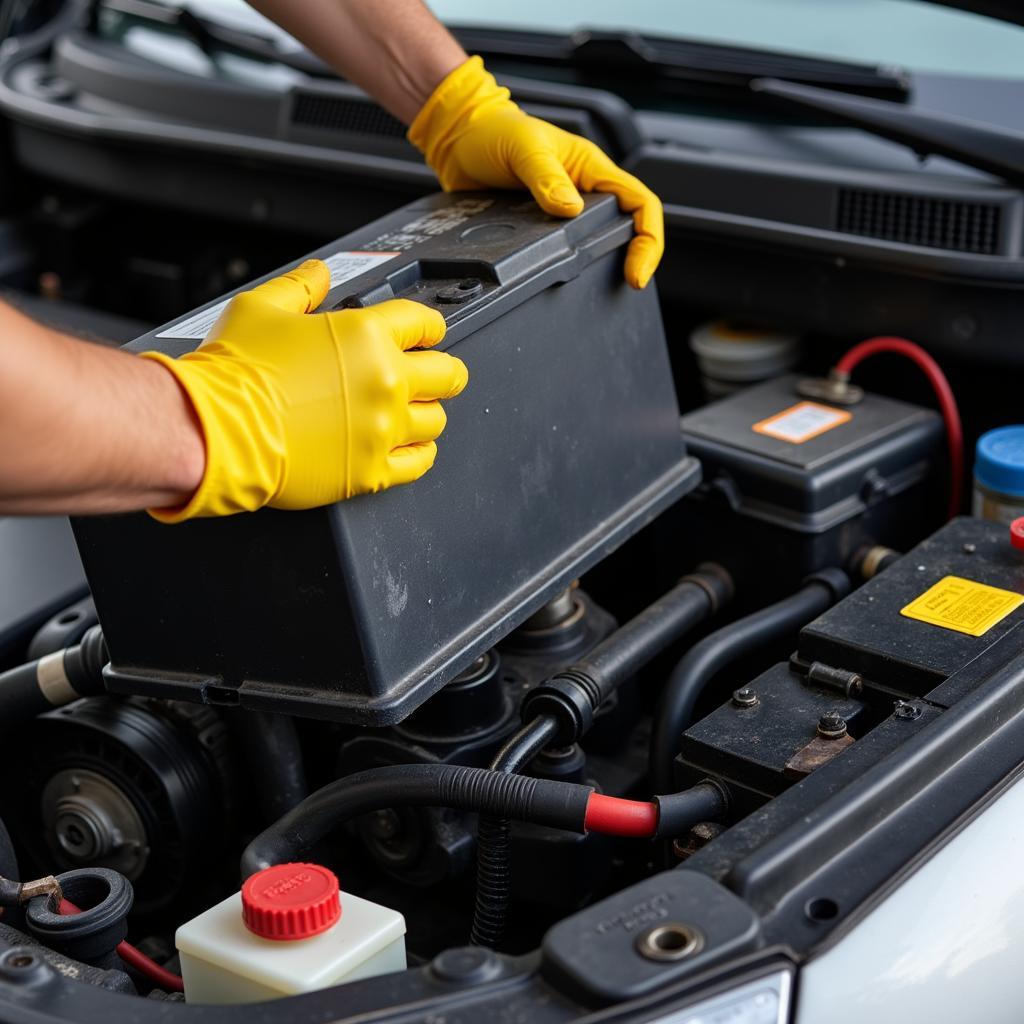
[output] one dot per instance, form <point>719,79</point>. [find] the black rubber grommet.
<point>105,897</point>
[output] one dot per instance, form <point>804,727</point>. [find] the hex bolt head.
<point>744,697</point>
<point>831,725</point>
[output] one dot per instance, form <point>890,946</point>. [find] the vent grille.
<point>920,220</point>
<point>336,114</point>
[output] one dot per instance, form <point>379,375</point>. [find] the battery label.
<point>801,422</point>
<point>430,225</point>
<point>963,605</point>
<point>343,267</point>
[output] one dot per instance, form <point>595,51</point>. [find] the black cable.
<point>723,647</point>
<point>561,710</point>
<point>542,801</point>
<point>494,837</point>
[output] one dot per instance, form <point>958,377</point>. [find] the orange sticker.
<point>802,421</point>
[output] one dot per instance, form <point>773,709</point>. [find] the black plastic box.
<point>792,486</point>
<point>565,443</point>
<point>868,632</point>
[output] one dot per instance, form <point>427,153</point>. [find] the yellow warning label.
<point>963,605</point>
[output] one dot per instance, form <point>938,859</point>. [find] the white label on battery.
<point>196,326</point>
<point>801,422</point>
<point>346,265</point>
<point>343,267</point>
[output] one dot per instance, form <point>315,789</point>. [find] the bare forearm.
<point>397,51</point>
<point>89,429</point>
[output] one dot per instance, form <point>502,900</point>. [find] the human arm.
<point>85,428</point>
<point>469,130</point>
<point>279,406</point>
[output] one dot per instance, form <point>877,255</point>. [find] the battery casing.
<point>793,486</point>
<point>565,442</point>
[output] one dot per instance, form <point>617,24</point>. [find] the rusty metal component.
<point>831,725</point>
<point>699,836</point>
<point>816,753</point>
<point>12,892</point>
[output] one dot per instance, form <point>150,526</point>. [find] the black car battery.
<point>918,637</point>
<point>916,627</point>
<point>564,444</point>
<point>792,486</point>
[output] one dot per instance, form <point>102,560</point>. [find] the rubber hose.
<point>53,681</point>
<point>273,760</point>
<point>722,648</point>
<point>543,801</point>
<point>494,838</point>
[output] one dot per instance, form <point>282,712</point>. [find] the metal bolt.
<point>907,711</point>
<point>831,725</point>
<point>698,837</point>
<point>744,697</point>
<point>969,548</point>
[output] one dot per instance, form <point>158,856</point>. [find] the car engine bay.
<point>685,654</point>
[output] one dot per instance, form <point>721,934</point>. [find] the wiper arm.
<point>681,60</point>
<point>999,151</point>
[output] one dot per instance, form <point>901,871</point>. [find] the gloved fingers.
<point>434,375</point>
<point>411,461</point>
<point>299,291</point>
<point>426,422</point>
<point>542,171</point>
<point>412,324</point>
<point>599,173</point>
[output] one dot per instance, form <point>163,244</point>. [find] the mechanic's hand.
<point>474,136</point>
<point>301,409</point>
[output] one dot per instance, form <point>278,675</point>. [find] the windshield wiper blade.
<point>680,60</point>
<point>999,151</point>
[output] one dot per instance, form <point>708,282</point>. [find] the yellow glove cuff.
<point>464,94</point>
<point>243,471</point>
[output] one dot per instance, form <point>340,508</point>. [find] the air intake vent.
<point>337,114</point>
<point>920,220</point>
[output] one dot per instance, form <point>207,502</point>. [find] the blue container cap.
<point>999,460</point>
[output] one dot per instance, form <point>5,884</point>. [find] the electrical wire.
<point>613,816</point>
<point>135,958</point>
<point>943,393</point>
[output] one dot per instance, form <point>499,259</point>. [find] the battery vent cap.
<point>291,901</point>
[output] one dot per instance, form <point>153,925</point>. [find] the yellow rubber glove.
<point>300,410</point>
<point>474,136</point>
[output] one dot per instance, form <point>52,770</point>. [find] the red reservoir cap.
<point>291,901</point>
<point>1017,533</point>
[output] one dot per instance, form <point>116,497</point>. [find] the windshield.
<point>909,33</point>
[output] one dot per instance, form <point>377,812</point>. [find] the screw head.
<point>744,697</point>
<point>831,725</point>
